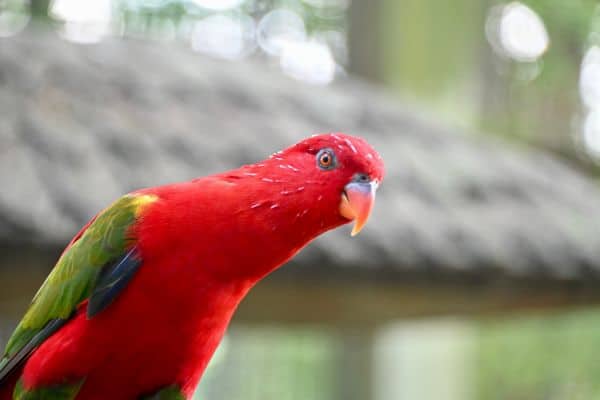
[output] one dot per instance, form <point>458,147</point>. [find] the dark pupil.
<point>325,159</point>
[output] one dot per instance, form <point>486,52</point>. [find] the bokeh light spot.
<point>224,36</point>
<point>84,21</point>
<point>591,133</point>
<point>517,32</point>
<point>589,80</point>
<point>279,28</point>
<point>309,61</point>
<point>219,5</point>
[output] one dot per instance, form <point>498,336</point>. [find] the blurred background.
<point>479,279</point>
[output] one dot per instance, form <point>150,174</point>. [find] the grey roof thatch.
<point>81,125</point>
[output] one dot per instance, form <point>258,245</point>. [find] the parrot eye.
<point>326,159</point>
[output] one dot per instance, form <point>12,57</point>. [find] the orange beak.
<point>357,202</point>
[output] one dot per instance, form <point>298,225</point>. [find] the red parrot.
<point>141,297</point>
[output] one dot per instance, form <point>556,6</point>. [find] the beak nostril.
<point>362,178</point>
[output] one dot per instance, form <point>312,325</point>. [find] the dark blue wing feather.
<point>112,281</point>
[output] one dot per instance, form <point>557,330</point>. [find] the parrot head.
<point>337,175</point>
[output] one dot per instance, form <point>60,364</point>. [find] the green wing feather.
<point>73,278</point>
<point>58,392</point>
<point>167,393</point>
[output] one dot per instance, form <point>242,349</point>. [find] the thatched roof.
<point>80,125</point>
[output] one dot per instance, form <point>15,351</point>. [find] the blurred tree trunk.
<point>356,364</point>
<point>39,8</point>
<point>424,49</point>
<point>494,94</point>
<point>425,359</point>
<point>430,46</point>
<point>365,39</point>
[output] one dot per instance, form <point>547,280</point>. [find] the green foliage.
<point>273,364</point>
<point>545,358</point>
<point>428,45</point>
<point>39,8</point>
<point>145,18</point>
